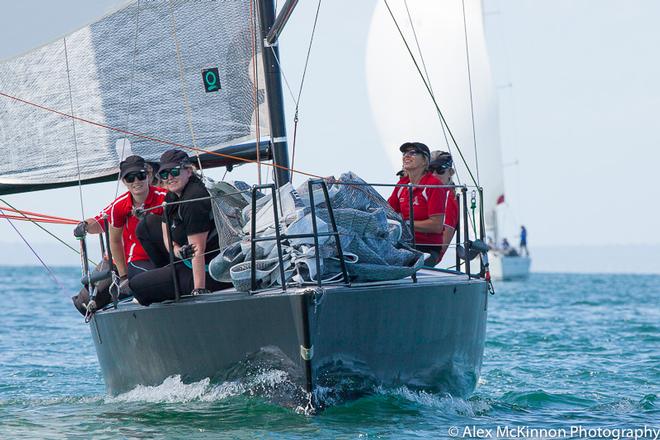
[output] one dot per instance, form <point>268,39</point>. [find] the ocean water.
<point>567,356</point>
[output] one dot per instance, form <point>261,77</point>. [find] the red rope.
<point>36,214</point>
<point>37,219</point>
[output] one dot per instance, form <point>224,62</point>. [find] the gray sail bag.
<point>373,236</point>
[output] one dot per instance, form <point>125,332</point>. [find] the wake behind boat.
<point>334,327</point>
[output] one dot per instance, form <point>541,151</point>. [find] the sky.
<point>578,88</point>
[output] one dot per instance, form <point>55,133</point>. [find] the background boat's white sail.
<point>402,107</point>
<point>124,73</point>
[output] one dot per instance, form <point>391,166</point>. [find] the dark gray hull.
<point>428,335</point>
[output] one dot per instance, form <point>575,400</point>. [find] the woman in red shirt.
<point>442,167</point>
<point>428,203</point>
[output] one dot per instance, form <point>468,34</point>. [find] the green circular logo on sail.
<point>211,79</point>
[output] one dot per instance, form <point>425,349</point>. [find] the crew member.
<point>128,254</point>
<point>523,241</point>
<point>193,233</point>
<point>442,167</point>
<point>428,203</point>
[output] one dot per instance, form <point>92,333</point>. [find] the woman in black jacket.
<point>194,236</point>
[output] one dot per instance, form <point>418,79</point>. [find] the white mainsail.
<point>124,73</point>
<point>402,108</point>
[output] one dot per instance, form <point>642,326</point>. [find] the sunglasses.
<point>411,153</point>
<point>130,177</point>
<point>174,172</point>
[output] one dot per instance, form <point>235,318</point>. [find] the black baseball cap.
<point>172,159</point>
<point>440,160</point>
<point>132,164</point>
<point>416,146</point>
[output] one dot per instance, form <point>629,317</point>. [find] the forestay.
<point>124,74</point>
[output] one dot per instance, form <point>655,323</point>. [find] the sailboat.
<point>449,44</point>
<point>507,264</point>
<point>205,76</point>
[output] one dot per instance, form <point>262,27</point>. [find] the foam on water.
<point>174,390</point>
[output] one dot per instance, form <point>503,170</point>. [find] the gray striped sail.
<point>138,70</point>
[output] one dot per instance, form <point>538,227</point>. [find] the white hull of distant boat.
<point>504,268</point>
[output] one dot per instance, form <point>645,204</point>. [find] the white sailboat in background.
<point>449,33</point>
<point>505,264</point>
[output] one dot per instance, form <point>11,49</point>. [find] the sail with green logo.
<point>150,76</point>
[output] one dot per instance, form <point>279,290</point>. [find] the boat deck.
<point>424,276</point>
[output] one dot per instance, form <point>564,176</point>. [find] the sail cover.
<point>140,70</point>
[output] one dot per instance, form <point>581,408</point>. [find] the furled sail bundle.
<point>143,72</point>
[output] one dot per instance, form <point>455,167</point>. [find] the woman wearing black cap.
<point>428,203</point>
<point>194,237</point>
<point>442,167</point>
<point>129,257</point>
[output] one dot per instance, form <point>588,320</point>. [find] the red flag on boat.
<point>500,199</point>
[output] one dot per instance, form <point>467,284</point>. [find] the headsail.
<point>124,73</point>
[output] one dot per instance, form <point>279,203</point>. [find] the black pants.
<point>157,285</point>
<point>137,267</point>
<point>150,233</point>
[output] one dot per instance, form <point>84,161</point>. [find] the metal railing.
<point>466,242</point>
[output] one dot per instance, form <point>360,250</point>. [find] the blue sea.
<point>567,356</point>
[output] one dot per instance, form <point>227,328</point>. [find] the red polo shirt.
<point>451,210</point>
<point>120,215</point>
<point>426,202</point>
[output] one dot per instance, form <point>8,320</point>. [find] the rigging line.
<point>255,83</point>
<point>467,57</point>
<point>309,52</point>
<point>426,72</point>
<point>36,214</point>
<point>286,80</point>
<point>130,90</point>
<point>435,103</point>
<point>48,269</point>
<point>293,149</point>
<point>184,89</point>
<point>73,122</point>
<point>302,83</point>
<point>428,85</point>
<point>149,138</point>
<point>256,90</point>
<point>46,230</point>
<point>428,79</point>
<point>37,219</point>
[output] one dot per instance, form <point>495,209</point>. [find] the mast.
<point>274,94</point>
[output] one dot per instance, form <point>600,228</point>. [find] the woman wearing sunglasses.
<point>442,167</point>
<point>193,232</point>
<point>129,256</point>
<point>428,203</point>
